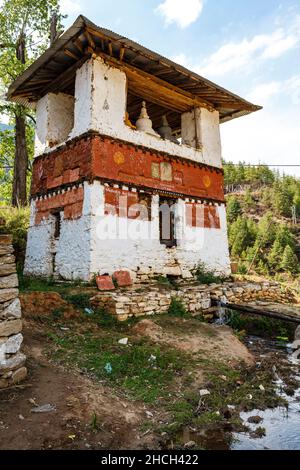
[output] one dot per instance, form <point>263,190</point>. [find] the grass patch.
<point>143,370</point>
<point>177,308</point>
<point>262,326</point>
<point>206,276</point>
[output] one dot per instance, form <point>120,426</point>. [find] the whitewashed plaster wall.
<point>205,245</point>
<point>55,120</point>
<point>38,260</point>
<point>100,105</point>
<point>120,243</point>
<point>72,259</point>
<point>98,244</point>
<point>203,125</point>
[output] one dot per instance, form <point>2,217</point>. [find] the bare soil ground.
<point>146,402</point>
<point>76,399</point>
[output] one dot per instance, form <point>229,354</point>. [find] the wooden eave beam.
<point>155,85</point>
<point>64,77</point>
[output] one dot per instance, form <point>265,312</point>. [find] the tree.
<point>283,199</point>
<point>240,236</point>
<point>249,202</point>
<point>24,33</point>
<point>234,208</point>
<point>289,261</point>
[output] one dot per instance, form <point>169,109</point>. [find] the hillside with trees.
<point>263,211</point>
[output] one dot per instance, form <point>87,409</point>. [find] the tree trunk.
<point>19,197</point>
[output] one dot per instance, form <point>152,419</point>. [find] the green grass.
<point>36,284</point>
<point>177,308</point>
<point>133,370</point>
<point>206,276</point>
<point>261,326</point>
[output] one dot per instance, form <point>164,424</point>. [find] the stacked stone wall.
<point>12,361</point>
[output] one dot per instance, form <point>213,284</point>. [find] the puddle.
<point>282,425</point>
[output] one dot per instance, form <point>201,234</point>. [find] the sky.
<point>249,47</point>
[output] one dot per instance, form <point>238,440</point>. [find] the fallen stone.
<point>12,363</point>
<point>44,409</point>
<point>123,278</point>
<point>9,282</point>
<point>105,283</point>
<point>11,327</point>
<point>18,375</point>
<point>255,419</point>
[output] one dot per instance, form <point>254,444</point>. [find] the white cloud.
<point>181,59</point>
<point>236,55</point>
<point>289,89</point>
<point>183,13</point>
<point>263,92</point>
<point>70,7</point>
<point>264,137</point>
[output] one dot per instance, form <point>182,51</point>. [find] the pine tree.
<point>234,208</point>
<point>289,261</point>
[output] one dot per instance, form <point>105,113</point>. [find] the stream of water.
<point>282,424</point>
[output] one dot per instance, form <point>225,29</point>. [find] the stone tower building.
<point>127,171</point>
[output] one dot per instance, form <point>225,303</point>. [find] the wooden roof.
<point>167,87</point>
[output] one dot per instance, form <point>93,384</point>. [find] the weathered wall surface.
<point>55,120</point>
<point>12,361</point>
<point>197,299</point>
<point>69,255</point>
<point>98,237</point>
<point>110,160</point>
<point>100,105</point>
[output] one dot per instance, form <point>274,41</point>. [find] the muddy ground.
<point>92,411</point>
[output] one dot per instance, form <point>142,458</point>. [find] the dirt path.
<point>87,416</point>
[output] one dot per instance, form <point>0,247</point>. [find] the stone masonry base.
<point>197,299</point>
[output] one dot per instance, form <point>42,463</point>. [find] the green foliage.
<point>206,276</point>
<point>16,224</point>
<point>289,261</point>
<point>248,201</point>
<point>241,235</point>
<point>234,208</point>
<point>177,309</point>
<point>24,33</point>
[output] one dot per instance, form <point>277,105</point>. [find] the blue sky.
<point>250,47</point>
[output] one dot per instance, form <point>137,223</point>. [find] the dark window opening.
<point>57,224</point>
<point>167,222</point>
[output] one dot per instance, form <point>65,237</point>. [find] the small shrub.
<point>177,309</point>
<point>206,276</point>
<point>79,300</point>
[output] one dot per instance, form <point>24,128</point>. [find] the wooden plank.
<point>63,77</point>
<point>71,54</point>
<point>265,313</point>
<point>90,39</point>
<point>155,85</point>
